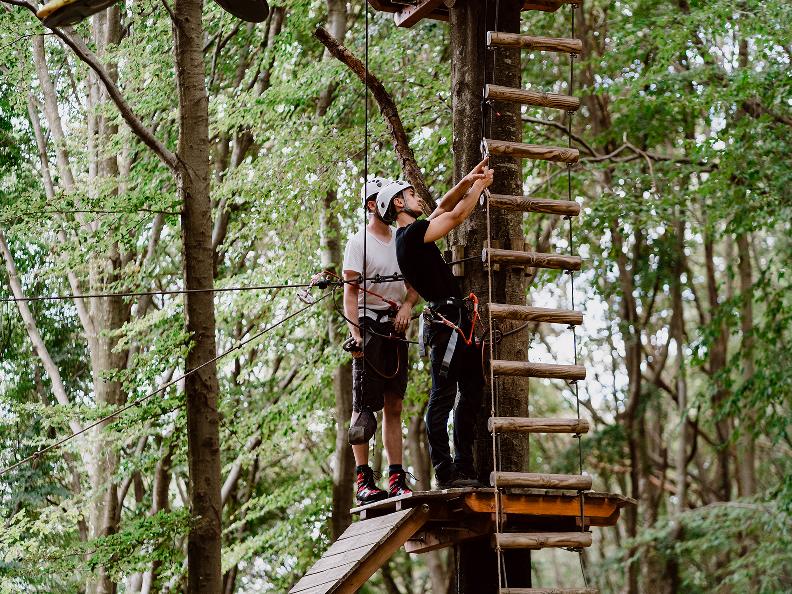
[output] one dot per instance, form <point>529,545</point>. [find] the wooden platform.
<point>461,514</point>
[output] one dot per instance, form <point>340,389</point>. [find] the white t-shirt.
<point>380,259</point>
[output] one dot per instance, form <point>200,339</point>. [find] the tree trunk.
<point>678,333</point>
<point>746,451</point>
<point>344,467</point>
<point>717,362</point>
<point>201,387</point>
<point>477,560</point>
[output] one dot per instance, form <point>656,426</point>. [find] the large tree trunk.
<point>201,387</point>
<point>108,314</point>
<point>344,467</point>
<point>477,560</point>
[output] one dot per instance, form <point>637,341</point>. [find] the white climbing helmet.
<point>373,187</point>
<point>386,196</point>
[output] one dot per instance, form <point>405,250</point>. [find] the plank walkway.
<point>360,551</point>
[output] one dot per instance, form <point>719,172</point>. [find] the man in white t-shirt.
<point>381,313</point>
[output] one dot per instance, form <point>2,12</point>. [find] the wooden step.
<point>526,97</point>
<point>536,425</point>
<point>548,591</point>
<point>528,313</point>
<point>539,480</point>
<point>532,259</point>
<point>541,540</point>
<point>563,45</point>
<point>531,369</point>
<point>531,151</point>
<point>567,208</point>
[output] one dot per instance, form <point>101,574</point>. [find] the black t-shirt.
<point>422,264</point>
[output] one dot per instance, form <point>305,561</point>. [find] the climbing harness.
<point>431,315</point>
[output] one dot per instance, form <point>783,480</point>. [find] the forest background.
<point>685,135</point>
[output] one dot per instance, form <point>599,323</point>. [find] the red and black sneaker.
<point>397,484</point>
<point>367,489</point>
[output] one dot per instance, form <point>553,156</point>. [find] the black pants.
<point>465,376</point>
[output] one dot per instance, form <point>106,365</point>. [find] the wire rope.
<point>159,390</point>
<point>364,327</point>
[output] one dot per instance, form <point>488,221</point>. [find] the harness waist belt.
<point>377,314</point>
<point>452,301</point>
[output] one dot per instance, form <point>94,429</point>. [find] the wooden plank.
<point>442,537</point>
<point>533,259</point>
<point>353,558</point>
<point>528,313</point>
<point>549,591</point>
<point>329,576</point>
<point>536,425</point>
<point>539,480</point>
<point>541,540</point>
<point>380,554</point>
<point>410,15</point>
<point>532,42</point>
<point>600,509</point>
<point>531,151</point>
<point>364,526</point>
<point>545,370</point>
<point>415,499</point>
<point>527,97</point>
<point>567,208</point>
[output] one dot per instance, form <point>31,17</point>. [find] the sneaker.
<point>367,489</point>
<point>456,480</point>
<point>397,484</point>
<point>470,474</point>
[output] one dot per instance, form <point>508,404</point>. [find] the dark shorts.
<point>385,369</point>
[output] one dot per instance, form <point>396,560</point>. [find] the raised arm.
<point>445,222</point>
<point>455,194</point>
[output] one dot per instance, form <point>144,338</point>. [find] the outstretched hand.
<point>488,177</point>
<point>478,172</point>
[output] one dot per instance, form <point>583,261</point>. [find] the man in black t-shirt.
<point>456,365</point>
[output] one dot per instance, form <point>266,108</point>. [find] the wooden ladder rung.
<point>526,97</point>
<point>536,425</point>
<point>531,151</point>
<point>540,480</point>
<point>548,591</point>
<point>549,44</point>
<point>540,540</point>
<point>567,208</point>
<point>531,259</point>
<point>528,313</point>
<point>545,370</point>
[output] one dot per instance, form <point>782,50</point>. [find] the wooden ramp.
<point>360,551</point>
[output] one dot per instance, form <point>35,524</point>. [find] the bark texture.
<point>201,387</point>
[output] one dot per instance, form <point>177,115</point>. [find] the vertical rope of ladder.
<point>574,383</point>
<point>491,334</point>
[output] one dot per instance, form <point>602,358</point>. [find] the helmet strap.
<point>412,213</point>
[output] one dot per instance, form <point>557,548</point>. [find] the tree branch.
<point>77,45</point>
<point>389,111</point>
<point>58,387</point>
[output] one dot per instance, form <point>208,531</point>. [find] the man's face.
<point>411,200</point>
